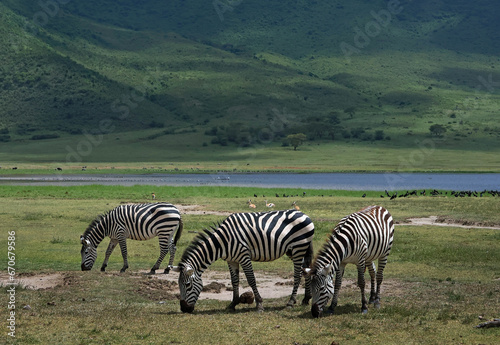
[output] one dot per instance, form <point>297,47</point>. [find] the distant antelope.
<point>269,204</point>
<point>250,204</point>
<point>295,206</point>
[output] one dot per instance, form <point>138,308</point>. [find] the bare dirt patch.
<point>444,221</point>
<point>35,281</point>
<point>198,209</point>
<point>217,284</point>
<point>158,290</point>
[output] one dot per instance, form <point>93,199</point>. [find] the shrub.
<point>379,135</point>
<point>44,136</point>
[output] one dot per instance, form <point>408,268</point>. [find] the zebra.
<point>240,239</point>
<point>359,238</point>
<point>137,222</point>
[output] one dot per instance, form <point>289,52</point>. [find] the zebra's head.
<point>89,254</point>
<point>322,288</point>
<point>190,286</point>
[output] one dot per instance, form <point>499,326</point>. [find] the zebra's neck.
<point>336,249</point>
<point>203,251</point>
<point>96,231</point>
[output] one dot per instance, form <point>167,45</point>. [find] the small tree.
<point>351,111</point>
<point>379,135</point>
<point>296,140</point>
<point>437,130</point>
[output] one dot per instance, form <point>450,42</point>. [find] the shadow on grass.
<point>242,310</point>
<point>340,310</point>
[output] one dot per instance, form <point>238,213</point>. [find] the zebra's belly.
<point>350,260</point>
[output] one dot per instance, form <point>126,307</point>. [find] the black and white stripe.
<point>360,238</point>
<point>137,222</point>
<point>240,239</point>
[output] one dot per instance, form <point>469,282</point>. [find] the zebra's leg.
<point>246,264</point>
<point>307,295</point>
<point>235,282</point>
<point>122,240</point>
<point>164,245</point>
<point>338,284</point>
<point>380,277</point>
<point>172,250</point>
<point>307,264</point>
<point>297,275</point>
<point>361,285</point>
<point>373,293</point>
<point>112,244</point>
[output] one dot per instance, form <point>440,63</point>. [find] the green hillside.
<point>186,81</point>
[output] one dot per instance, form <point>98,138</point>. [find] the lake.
<point>341,181</point>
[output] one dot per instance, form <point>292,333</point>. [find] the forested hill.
<point>335,70</point>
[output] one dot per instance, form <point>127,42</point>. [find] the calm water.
<point>343,181</point>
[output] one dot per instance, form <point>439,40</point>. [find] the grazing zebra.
<point>359,238</point>
<point>240,239</point>
<point>137,222</point>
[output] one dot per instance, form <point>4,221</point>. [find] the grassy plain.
<point>438,279</point>
<point>130,156</point>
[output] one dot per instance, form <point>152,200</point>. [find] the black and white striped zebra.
<point>360,238</point>
<point>137,222</point>
<point>240,239</point>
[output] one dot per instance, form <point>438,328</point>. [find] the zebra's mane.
<point>202,237</point>
<point>330,238</point>
<point>93,224</point>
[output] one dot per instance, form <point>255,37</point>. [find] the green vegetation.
<point>296,140</point>
<point>99,82</point>
<point>437,282</point>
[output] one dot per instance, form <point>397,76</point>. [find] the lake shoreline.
<point>332,181</point>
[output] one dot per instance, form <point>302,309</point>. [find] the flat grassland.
<point>438,280</point>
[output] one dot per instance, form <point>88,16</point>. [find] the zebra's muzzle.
<point>85,268</point>
<point>316,310</point>
<point>186,308</point>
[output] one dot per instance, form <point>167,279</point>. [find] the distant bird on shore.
<point>270,205</point>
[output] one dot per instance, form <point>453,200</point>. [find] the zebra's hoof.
<point>364,311</point>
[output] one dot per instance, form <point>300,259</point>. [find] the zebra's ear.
<point>188,271</point>
<point>84,241</point>
<point>326,270</point>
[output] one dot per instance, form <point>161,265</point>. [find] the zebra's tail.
<point>179,231</point>
<point>308,257</point>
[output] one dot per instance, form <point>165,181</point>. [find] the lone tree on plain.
<point>296,140</point>
<point>437,130</point>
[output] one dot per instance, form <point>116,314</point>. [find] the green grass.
<point>437,282</point>
<point>319,156</point>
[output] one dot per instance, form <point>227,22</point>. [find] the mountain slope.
<point>243,73</point>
